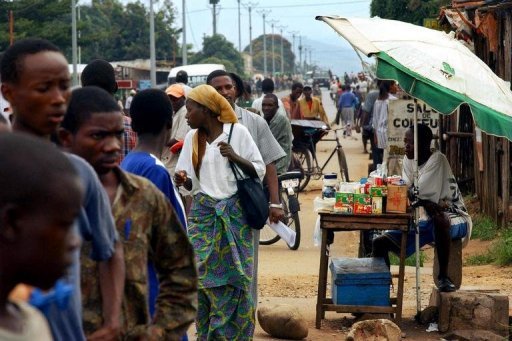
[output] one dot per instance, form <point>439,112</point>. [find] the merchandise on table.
<point>377,205</point>
<point>362,203</point>
<point>378,191</point>
<point>344,203</point>
<point>329,185</point>
<point>397,199</point>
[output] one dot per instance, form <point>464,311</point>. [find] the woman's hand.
<point>227,151</point>
<point>180,177</point>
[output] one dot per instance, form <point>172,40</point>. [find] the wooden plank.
<point>360,309</point>
<point>493,180</point>
<point>507,75</point>
<point>505,182</point>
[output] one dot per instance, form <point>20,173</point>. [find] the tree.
<point>219,47</point>
<point>37,18</point>
<point>258,55</point>
<point>411,11</point>
<point>108,29</point>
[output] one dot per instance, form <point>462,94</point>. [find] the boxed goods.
<point>397,199</point>
<point>377,205</point>
<point>344,203</point>
<point>360,281</point>
<point>362,203</point>
<point>378,191</point>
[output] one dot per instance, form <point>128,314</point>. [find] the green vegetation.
<point>289,57</point>
<point>409,261</point>
<point>480,259</point>
<point>412,11</point>
<point>483,228</point>
<point>500,250</point>
<point>217,49</point>
<point>502,247</point>
<point>109,29</point>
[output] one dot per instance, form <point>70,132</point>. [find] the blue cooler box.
<point>360,281</point>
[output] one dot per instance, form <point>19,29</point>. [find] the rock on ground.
<point>376,330</point>
<point>283,321</point>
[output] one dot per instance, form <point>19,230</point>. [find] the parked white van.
<point>197,73</point>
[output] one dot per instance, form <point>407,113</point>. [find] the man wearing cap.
<point>179,129</point>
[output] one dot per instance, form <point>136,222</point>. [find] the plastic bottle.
<point>329,185</point>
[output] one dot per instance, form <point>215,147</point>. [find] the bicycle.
<point>289,196</point>
<point>304,152</point>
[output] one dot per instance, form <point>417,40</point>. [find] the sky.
<point>329,50</point>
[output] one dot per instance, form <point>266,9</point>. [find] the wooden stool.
<point>454,264</point>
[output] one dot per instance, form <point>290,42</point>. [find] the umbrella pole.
<point>416,215</point>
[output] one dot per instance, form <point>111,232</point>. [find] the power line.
<point>296,5</point>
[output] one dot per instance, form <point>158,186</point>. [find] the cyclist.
<point>312,109</point>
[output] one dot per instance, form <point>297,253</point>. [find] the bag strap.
<point>235,170</point>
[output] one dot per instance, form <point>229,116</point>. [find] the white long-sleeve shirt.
<point>216,178</point>
<point>437,183</point>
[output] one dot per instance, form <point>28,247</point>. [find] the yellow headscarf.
<point>209,97</point>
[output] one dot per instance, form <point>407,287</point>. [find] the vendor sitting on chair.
<point>446,216</point>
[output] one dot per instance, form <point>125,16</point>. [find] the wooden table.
<point>337,223</point>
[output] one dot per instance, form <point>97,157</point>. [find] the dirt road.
<point>292,276</point>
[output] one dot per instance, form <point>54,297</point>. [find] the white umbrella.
<point>435,67</point>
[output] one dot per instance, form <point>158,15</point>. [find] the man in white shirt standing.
<point>267,87</point>
<point>128,102</point>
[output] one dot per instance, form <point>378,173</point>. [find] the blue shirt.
<point>148,166</point>
<point>94,224</point>
<point>347,100</point>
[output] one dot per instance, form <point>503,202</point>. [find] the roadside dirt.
<point>291,277</point>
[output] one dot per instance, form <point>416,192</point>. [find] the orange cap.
<point>175,90</point>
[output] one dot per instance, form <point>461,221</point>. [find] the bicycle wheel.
<point>342,161</point>
<point>303,157</point>
<point>293,222</point>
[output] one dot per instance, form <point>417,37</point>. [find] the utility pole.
<point>272,23</point>
<point>306,59</point>
<point>300,54</point>
<point>74,42</point>
<point>79,36</point>
<point>264,14</point>
<point>239,30</point>
<point>152,57</point>
<point>214,12</point>
<point>293,33</point>
<point>11,28</point>
<point>249,6</point>
<point>281,28</point>
<point>184,32</point>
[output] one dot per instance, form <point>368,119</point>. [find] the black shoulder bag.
<point>252,197</point>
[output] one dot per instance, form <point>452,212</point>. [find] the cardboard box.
<point>377,205</point>
<point>397,199</point>
<point>344,203</point>
<point>378,191</point>
<point>362,203</point>
<point>360,281</point>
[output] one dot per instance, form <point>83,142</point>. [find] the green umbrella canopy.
<point>433,67</point>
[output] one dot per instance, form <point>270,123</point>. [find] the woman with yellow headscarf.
<point>217,227</point>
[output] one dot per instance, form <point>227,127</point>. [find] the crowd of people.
<point>125,223</point>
